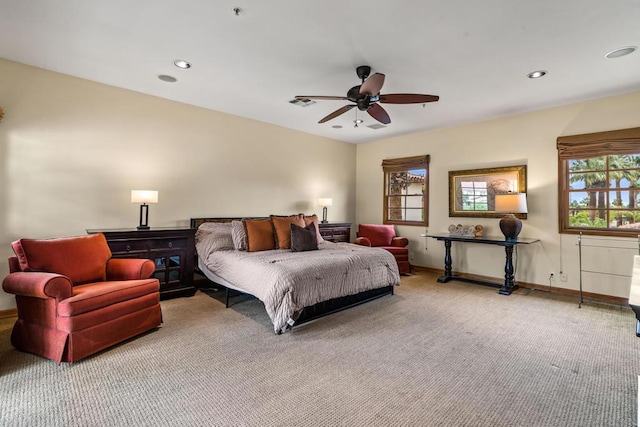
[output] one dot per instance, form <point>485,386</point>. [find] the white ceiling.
<point>474,54</point>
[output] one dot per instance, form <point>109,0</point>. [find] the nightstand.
<point>335,231</point>
<point>171,249</point>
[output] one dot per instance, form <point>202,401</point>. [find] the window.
<point>406,190</point>
<point>599,183</point>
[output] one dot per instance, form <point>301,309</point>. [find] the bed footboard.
<point>338,304</point>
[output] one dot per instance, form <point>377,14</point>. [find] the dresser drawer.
<point>126,246</point>
<point>177,243</point>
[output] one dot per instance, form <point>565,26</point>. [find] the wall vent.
<point>302,102</point>
<point>376,126</point>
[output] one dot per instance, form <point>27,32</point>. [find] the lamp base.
<point>144,217</point>
<point>510,227</point>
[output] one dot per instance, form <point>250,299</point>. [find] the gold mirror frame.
<point>496,179</point>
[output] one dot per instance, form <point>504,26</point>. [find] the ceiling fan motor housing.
<point>363,72</point>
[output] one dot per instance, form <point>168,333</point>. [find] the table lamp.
<point>144,197</point>
<point>511,203</point>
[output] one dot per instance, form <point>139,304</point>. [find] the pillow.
<point>281,226</point>
<point>216,236</point>
<point>239,235</point>
<point>378,234</point>
<point>259,235</point>
<point>308,219</point>
<point>82,259</point>
<point>303,239</point>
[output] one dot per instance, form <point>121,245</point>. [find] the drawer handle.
<point>128,248</point>
<point>170,244</point>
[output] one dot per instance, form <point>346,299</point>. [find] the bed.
<point>296,287</point>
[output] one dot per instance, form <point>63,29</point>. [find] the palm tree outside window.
<point>599,183</point>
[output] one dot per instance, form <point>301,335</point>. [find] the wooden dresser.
<point>171,249</point>
<point>335,231</point>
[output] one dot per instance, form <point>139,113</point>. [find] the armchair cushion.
<point>82,259</point>
<point>378,235</point>
<point>93,296</point>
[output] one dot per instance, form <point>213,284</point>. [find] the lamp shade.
<point>325,202</point>
<point>511,203</point>
<point>144,196</point>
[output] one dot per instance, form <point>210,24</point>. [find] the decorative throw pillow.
<point>308,219</point>
<point>259,235</point>
<point>281,225</point>
<point>239,235</point>
<point>215,236</point>
<point>303,238</point>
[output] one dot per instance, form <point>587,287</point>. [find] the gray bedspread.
<point>287,281</point>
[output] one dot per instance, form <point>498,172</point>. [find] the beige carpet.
<point>451,354</point>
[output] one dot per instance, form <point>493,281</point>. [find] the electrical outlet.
<point>411,256</point>
<point>563,277</point>
<point>552,276</point>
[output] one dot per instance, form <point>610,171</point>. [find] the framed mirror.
<point>472,192</point>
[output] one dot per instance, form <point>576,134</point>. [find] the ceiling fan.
<point>367,97</point>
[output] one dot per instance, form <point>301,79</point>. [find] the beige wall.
<point>72,150</point>
<point>527,139</point>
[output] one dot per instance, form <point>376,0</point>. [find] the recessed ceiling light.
<point>536,74</point>
<point>168,79</point>
<point>181,63</point>
<point>621,52</point>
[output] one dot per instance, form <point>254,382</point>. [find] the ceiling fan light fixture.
<point>182,64</point>
<point>623,51</point>
<point>537,74</point>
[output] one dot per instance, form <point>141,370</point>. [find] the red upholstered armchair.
<point>74,300</point>
<point>384,236</point>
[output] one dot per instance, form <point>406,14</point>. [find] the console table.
<point>509,284</point>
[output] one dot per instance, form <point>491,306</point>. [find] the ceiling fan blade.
<point>372,85</point>
<point>377,112</point>
<point>337,98</point>
<point>407,98</point>
<point>337,113</point>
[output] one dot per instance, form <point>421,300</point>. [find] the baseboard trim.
<point>11,313</point>
<point>608,299</point>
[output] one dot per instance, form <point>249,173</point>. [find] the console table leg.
<point>447,263</point>
<point>509,280</point>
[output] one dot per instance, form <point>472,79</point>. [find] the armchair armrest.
<point>129,268</point>
<point>363,241</point>
<point>399,242</point>
<point>38,285</point>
